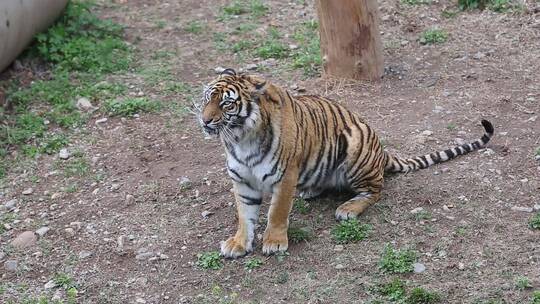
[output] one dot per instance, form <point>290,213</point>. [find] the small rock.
<point>144,255</point>
<point>130,199</point>
<point>219,70</point>
<point>438,109</point>
<point>338,248</point>
<point>533,118</point>
<point>445,169</point>
<point>85,254</point>
<point>50,285</point>
<point>28,191</point>
<point>64,154</point>
<point>536,207</point>
<point>293,46</point>
<point>461,266</point>
<point>10,205</point>
<point>84,104</point>
<point>537,157</point>
<point>163,256</point>
<point>23,240</point>
<point>70,232</point>
<point>115,187</point>
<point>42,231</point>
<point>339,266</point>
<point>479,55</point>
<point>446,93</point>
<point>11,265</point>
<point>417,210</point>
<point>140,301</point>
<point>251,67</point>
<point>488,152</point>
<point>419,267</point>
<point>522,209</point>
<point>2,255</point>
<point>206,213</point>
<point>56,195</point>
<point>427,133</point>
<point>101,120</point>
<point>185,183</point>
<point>461,133</point>
<point>459,141</point>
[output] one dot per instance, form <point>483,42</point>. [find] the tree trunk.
<point>350,39</point>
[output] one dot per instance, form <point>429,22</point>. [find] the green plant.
<point>194,27</point>
<point>253,263</point>
<point>523,283</point>
<point>130,106</point>
<point>501,6</point>
<point>419,295</point>
<point>76,167</point>
<point>53,143</point>
<point>235,8</point>
<point>422,215</point>
<point>393,290</point>
<point>535,297</point>
<point>300,205</point>
<point>64,280</point>
<point>451,126</point>
<point>350,231</point>
<point>297,235</point>
<point>472,4</point>
<point>534,222</point>
<point>272,48</point>
<point>433,36</point>
<point>257,8</point>
<point>397,260</point>
<point>209,260</point>
<point>282,277</point>
<point>308,55</point>
<point>537,151</point>
<point>448,13</point>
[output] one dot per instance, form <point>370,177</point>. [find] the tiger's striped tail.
<point>396,164</point>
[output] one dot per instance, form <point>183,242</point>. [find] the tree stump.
<point>350,38</point>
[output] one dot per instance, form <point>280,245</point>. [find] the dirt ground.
<point>474,244</point>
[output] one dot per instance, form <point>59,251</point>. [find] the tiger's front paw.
<point>275,242</point>
<point>232,248</point>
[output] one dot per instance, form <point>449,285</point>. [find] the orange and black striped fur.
<point>280,144</point>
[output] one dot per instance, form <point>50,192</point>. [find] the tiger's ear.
<point>228,71</point>
<point>258,82</point>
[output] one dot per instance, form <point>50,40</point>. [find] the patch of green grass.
<point>297,235</point>
<point>419,295</point>
<point>350,231</point>
<point>448,13</point>
<point>433,36</point>
<point>130,106</point>
<point>282,277</point>
<point>256,8</point>
<point>52,144</point>
<point>242,45</point>
<point>393,290</point>
<point>253,263</point>
<point>397,260</point>
<point>499,6</point>
<point>209,260</point>
<point>235,8</point>
<point>6,218</point>
<point>244,28</point>
<point>423,215</point>
<point>308,54</point>
<point>272,48</point>
<point>161,24</point>
<point>523,283</point>
<point>472,4</point>
<point>194,27</point>
<point>301,205</point>
<point>534,222</point>
<point>78,166</point>
<point>81,41</point>
<point>537,151</point>
<point>64,280</point>
<point>451,126</point>
<point>535,297</point>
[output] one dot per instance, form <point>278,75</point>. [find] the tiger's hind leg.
<point>367,193</point>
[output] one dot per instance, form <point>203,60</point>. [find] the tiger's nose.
<point>207,121</point>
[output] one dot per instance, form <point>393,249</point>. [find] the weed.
<point>282,277</point>
<point>308,54</point>
<point>301,205</point>
<point>6,219</point>
<point>64,280</point>
<point>419,295</point>
<point>53,143</point>
<point>350,231</point>
<point>242,45</point>
<point>280,256</point>
<point>422,215</point>
<point>272,48</point>
<point>537,152</point>
<point>76,167</point>
<point>433,36</point>
<point>257,8</point>
<point>130,106</point>
<point>534,222</point>
<point>244,28</point>
<point>194,27</point>
<point>397,260</point>
<point>523,283</point>
<point>472,4</point>
<point>83,42</point>
<point>160,24</point>
<point>535,297</point>
<point>235,8</point>
<point>209,260</point>
<point>451,126</point>
<point>448,14</point>
<point>253,263</point>
<point>71,188</point>
<point>394,290</point>
<point>297,235</point>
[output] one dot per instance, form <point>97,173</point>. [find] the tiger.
<point>289,146</point>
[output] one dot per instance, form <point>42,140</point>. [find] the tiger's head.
<point>230,104</point>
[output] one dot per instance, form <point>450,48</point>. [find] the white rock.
<point>522,209</point>
<point>2,255</point>
<point>339,266</point>
<point>533,118</point>
<point>140,301</point>
<point>488,151</point>
<point>427,133</point>
<point>438,109</point>
<point>338,248</point>
<point>84,254</point>
<point>419,267</point>
<point>84,104</point>
<point>64,154</point>
<point>70,232</point>
<point>144,255</point>
<point>459,141</point>
<point>251,67</point>
<point>130,199</point>
<point>206,213</point>
<point>293,46</point>
<point>479,55</point>
<point>115,187</point>
<point>10,205</point>
<point>445,169</point>
<point>10,265</point>
<point>461,266</point>
<point>417,210</point>
<point>219,70</point>
<point>101,120</point>
<point>536,207</point>
<point>50,285</point>
<point>42,231</point>
<point>28,191</point>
